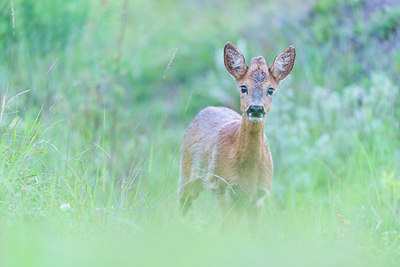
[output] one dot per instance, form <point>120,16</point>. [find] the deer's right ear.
<point>234,61</point>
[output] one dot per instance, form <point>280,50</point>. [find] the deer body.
<point>226,152</point>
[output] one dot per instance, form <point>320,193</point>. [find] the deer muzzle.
<point>255,112</point>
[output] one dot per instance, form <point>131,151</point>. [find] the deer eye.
<point>270,91</point>
<point>244,89</point>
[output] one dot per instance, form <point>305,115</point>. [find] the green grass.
<point>92,122</point>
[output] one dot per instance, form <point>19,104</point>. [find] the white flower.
<point>65,206</point>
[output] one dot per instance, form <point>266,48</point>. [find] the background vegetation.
<point>95,97</point>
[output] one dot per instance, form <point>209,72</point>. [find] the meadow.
<point>95,97</point>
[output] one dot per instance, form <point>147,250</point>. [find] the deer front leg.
<point>255,209</point>
<point>233,202</point>
<point>232,206</point>
<point>228,213</point>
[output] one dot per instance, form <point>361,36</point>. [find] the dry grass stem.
<point>169,63</point>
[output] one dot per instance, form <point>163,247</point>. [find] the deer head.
<point>258,82</point>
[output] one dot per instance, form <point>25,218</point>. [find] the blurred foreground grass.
<point>92,119</point>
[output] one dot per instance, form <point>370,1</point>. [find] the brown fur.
<point>228,153</point>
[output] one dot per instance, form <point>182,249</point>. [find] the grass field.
<point>95,97</point>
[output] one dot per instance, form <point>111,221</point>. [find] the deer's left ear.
<point>283,64</point>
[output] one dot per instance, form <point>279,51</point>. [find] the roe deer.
<point>228,153</point>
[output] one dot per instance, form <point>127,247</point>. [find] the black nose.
<point>255,111</point>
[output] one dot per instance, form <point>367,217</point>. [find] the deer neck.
<point>250,141</point>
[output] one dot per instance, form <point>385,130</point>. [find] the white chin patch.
<point>255,119</point>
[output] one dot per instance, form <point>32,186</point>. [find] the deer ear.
<point>234,61</point>
<point>283,64</point>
